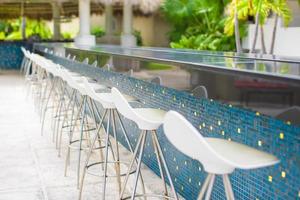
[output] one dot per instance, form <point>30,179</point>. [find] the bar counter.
<point>217,116</point>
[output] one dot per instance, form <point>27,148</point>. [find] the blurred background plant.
<point>11,29</point>
<point>98,31</point>
<point>139,39</point>
<point>199,24</point>
<point>66,35</point>
<point>220,25</point>
<point>241,10</point>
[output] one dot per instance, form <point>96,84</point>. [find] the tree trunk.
<point>262,38</point>
<point>274,34</point>
<point>257,16</point>
<point>236,30</point>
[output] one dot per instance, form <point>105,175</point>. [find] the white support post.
<point>127,39</point>
<point>108,20</point>
<point>23,25</point>
<point>84,37</point>
<point>56,20</point>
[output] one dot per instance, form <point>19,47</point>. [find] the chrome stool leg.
<point>45,107</point>
<point>117,160</point>
<point>137,148</point>
<point>164,163</point>
<point>65,119</point>
<point>204,187</point>
<point>64,114</point>
<point>161,163</point>
<point>142,146</point>
<point>71,137</point>
<point>210,187</point>
<point>90,152</point>
<point>106,155</point>
<point>111,120</point>
<point>228,187</point>
<point>81,138</point>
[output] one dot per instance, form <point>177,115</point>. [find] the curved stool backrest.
<point>185,137</point>
<point>23,50</point>
<point>157,80</point>
<point>107,67</point>
<point>73,83</point>
<point>95,64</point>
<point>200,91</point>
<point>89,88</point>
<point>122,105</point>
<point>86,61</point>
<point>58,71</point>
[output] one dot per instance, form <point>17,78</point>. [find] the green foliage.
<point>281,8</point>
<point>156,66</point>
<point>11,29</point>
<point>2,35</point>
<point>38,28</point>
<point>138,36</point>
<point>198,24</point>
<point>247,8</point>
<point>66,35</point>
<point>98,31</point>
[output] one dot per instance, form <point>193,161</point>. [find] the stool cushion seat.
<point>74,74</point>
<point>107,101</point>
<point>152,117</point>
<point>240,155</point>
<point>95,86</point>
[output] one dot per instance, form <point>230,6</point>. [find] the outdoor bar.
<point>233,115</point>
<point>149,99</point>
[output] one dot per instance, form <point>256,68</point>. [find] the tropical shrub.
<point>66,35</point>
<point>98,31</point>
<point>139,39</point>
<point>241,10</point>
<point>11,29</point>
<point>198,24</point>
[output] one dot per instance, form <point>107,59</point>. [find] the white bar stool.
<point>111,114</point>
<point>218,156</point>
<point>148,120</point>
<point>24,60</point>
<point>75,82</point>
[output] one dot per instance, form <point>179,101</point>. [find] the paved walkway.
<point>29,166</point>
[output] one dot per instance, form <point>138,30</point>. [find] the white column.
<point>84,37</point>
<point>109,20</point>
<point>127,39</point>
<point>23,24</point>
<point>56,20</point>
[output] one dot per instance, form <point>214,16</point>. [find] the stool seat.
<point>145,118</point>
<point>73,73</point>
<point>153,117</point>
<point>240,155</point>
<point>95,86</point>
<point>106,99</point>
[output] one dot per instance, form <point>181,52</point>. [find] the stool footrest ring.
<point>109,162</point>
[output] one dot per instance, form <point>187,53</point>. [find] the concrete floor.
<point>29,166</point>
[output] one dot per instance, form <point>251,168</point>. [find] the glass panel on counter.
<point>266,87</point>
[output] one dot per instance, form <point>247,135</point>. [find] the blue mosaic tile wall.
<point>11,55</point>
<point>213,119</point>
